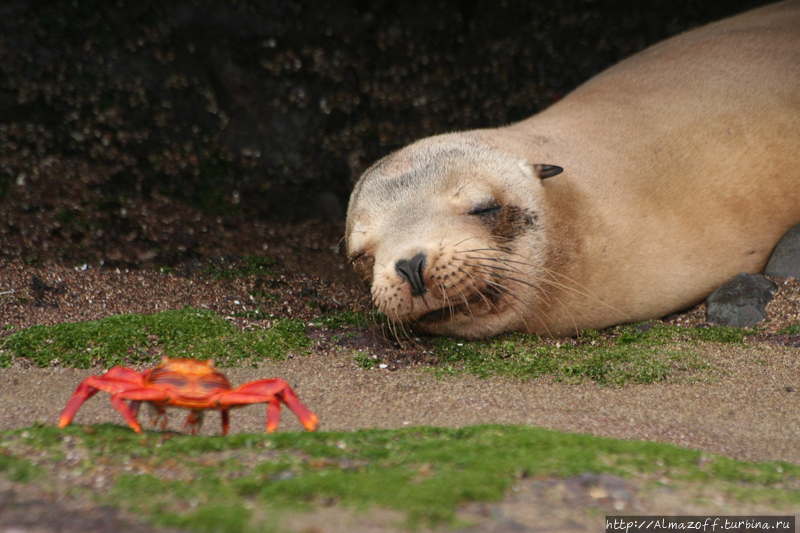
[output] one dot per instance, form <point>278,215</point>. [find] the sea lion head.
<point>449,232</point>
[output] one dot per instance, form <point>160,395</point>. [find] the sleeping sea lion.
<point>634,196</point>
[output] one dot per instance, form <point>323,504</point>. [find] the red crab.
<point>188,383</point>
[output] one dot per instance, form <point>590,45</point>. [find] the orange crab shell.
<point>189,384</point>
<point>193,383</point>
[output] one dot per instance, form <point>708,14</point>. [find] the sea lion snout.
<point>412,271</point>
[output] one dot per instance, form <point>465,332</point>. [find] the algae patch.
<point>231,484</point>
<point>639,354</point>
<point>792,329</point>
<point>19,470</point>
<point>249,265</point>
<point>142,339</point>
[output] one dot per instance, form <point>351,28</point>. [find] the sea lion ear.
<point>546,171</point>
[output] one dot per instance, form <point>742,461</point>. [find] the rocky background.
<point>143,133</point>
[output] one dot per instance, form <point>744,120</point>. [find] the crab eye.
<point>487,213</point>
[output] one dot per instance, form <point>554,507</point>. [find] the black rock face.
<point>785,259</point>
<point>118,118</point>
<point>741,302</point>
<point>273,109</point>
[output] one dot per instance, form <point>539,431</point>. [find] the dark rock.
<point>741,302</point>
<point>785,259</point>
<point>39,287</point>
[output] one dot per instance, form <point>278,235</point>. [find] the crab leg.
<point>139,395</point>
<point>115,380</point>
<point>274,414</point>
<point>158,415</point>
<point>194,421</point>
<point>226,420</point>
<point>83,393</point>
<point>273,391</point>
<point>120,405</point>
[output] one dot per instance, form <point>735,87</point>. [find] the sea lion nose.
<point>411,271</point>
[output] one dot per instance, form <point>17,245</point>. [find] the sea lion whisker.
<point>584,292</point>
<point>491,271</point>
<point>590,294</point>
<point>465,299</point>
<point>481,250</point>
<point>546,295</point>
<point>463,241</point>
<point>448,302</point>
<point>394,324</point>
<point>451,309</point>
<point>554,281</point>
<point>501,289</point>
<point>508,263</point>
<point>508,291</point>
<point>477,289</point>
<point>505,268</point>
<point>504,293</point>
<point>374,327</point>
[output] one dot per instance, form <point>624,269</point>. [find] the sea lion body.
<point>681,168</point>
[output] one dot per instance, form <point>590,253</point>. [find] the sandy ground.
<point>747,414</point>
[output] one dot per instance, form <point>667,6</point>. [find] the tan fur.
<point>681,169</point>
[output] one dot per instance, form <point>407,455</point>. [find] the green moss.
<point>130,339</point>
<point>213,506</point>
<point>19,470</point>
<point>249,265</point>
<point>365,361</point>
<point>213,518</point>
<point>339,320</point>
<point>424,473</point>
<point>352,319</point>
<point>643,353</point>
<point>790,330</point>
<point>524,357</point>
<point>657,334</point>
